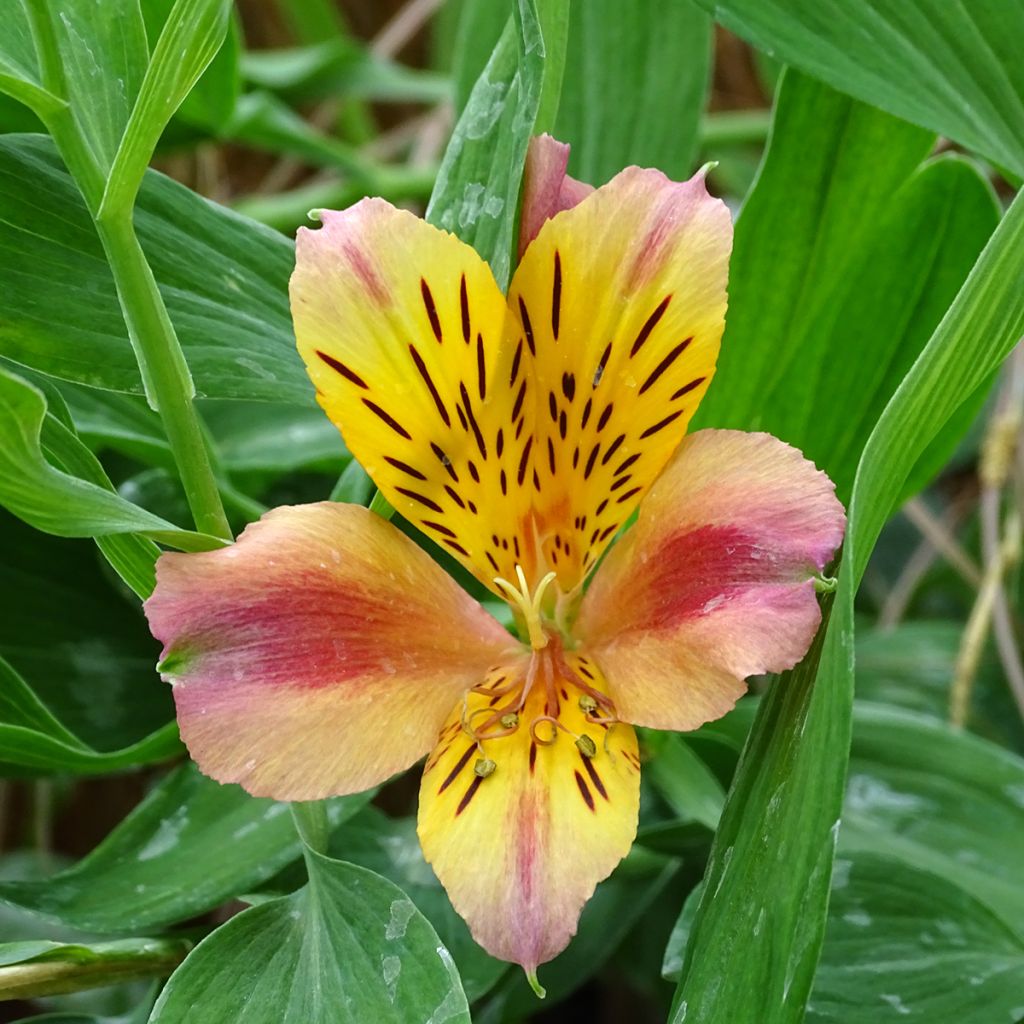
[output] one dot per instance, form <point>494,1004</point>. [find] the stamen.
<point>528,604</point>
<point>587,747</point>
<point>483,767</point>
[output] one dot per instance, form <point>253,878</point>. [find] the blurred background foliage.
<point>858,232</point>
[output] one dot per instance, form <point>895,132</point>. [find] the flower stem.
<point>165,374</point>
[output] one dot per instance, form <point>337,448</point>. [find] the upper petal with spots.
<point>621,300</point>
<point>403,331</point>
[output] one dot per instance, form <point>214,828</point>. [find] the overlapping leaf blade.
<point>953,67</point>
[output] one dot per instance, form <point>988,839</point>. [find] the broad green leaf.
<point>903,944</point>
<point>32,738</point>
<point>480,25</point>
<point>391,848</point>
<point>770,865</point>
<point>224,279</point>
<point>102,62</point>
<point>19,68</point>
<point>940,800</point>
<point>953,67</point>
<point>189,846</point>
<point>29,970</point>
<point>477,192</point>
<point>79,641</point>
<point>348,948</point>
<point>846,257</point>
<point>636,77</point>
<point>80,505</point>
<point>190,39</point>
<point>912,665</point>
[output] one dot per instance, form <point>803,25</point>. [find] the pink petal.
<point>714,583</point>
<point>318,655</point>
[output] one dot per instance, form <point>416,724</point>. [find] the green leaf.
<point>29,970</point>
<point>80,643</point>
<point>349,947</point>
<point>477,191</point>
<point>911,665</point>
<point>846,257</point>
<point>905,944</point>
<point>683,779</point>
<point>189,846</point>
<point>102,66</point>
<point>636,78</point>
<point>772,854</point>
<point>190,39</point>
<point>212,100</point>
<point>940,800</point>
<point>19,68</point>
<point>80,505</point>
<point>31,737</point>
<point>224,279</point>
<point>953,67</point>
<point>392,849</point>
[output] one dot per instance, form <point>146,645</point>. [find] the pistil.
<point>528,605</point>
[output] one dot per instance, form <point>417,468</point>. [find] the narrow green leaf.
<point>635,83</point>
<point>683,779</point>
<point>167,861</point>
<point>224,279</point>
<point>846,257</point>
<point>190,39</point>
<point>771,861</point>
<point>348,948</point>
<point>953,67</point>
<point>477,191</point>
<point>32,738</point>
<point>55,501</point>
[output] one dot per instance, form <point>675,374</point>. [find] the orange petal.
<point>623,300</point>
<point>319,654</point>
<point>714,583</point>
<point>402,328</point>
<point>521,850</point>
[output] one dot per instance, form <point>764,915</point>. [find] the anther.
<point>587,704</point>
<point>510,721</point>
<point>587,747</point>
<point>483,767</point>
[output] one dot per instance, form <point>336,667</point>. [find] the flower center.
<point>528,605</point>
<point>550,699</point>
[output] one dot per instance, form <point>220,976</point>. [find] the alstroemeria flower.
<point>325,651</point>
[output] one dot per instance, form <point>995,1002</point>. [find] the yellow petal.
<point>402,329</point>
<point>622,299</point>
<point>521,849</point>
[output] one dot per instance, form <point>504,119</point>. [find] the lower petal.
<point>319,654</point>
<point>714,583</point>
<point>520,850</point>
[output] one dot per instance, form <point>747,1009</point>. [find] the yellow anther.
<point>528,604</point>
